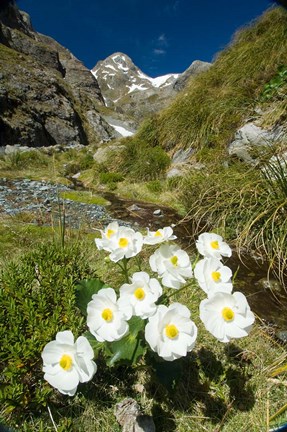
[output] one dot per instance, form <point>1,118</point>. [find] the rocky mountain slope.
<point>127,90</point>
<point>47,96</point>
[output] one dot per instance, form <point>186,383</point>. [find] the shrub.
<point>143,162</point>
<point>37,300</point>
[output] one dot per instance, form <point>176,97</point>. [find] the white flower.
<point>170,332</point>
<point>107,233</point>
<point>67,363</point>
<point>141,294</point>
<point>226,316</point>
<point>125,243</point>
<point>172,264</point>
<point>159,236</point>
<point>212,276</point>
<point>212,245</point>
<point>106,321</point>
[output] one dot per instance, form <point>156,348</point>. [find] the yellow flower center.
<point>107,315</point>
<point>123,242</point>
<point>110,232</point>
<point>171,331</point>
<point>66,362</point>
<point>174,260</point>
<point>214,244</point>
<point>216,276</point>
<point>158,233</point>
<point>227,314</point>
<point>139,293</point>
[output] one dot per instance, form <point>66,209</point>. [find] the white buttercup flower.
<point>170,332</point>
<point>212,245</point>
<point>172,264</point>
<point>159,236</point>
<point>107,234</point>
<point>125,243</point>
<point>141,294</point>
<point>106,321</point>
<point>227,316</point>
<point>212,276</point>
<point>67,363</point>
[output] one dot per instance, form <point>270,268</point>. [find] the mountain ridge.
<point>127,89</point>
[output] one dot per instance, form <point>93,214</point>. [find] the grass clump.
<point>111,177</point>
<point>21,160</point>
<point>37,299</point>
<point>142,162</point>
<point>246,205</point>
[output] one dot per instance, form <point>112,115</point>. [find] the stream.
<point>265,296</point>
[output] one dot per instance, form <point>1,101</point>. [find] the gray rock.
<point>181,156</point>
<point>248,139</point>
<point>174,172</point>
<point>129,416</point>
<point>282,336</point>
<point>157,212</point>
<point>103,154</point>
<point>134,208</point>
<point>194,69</point>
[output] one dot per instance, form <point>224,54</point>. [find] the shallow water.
<point>266,296</point>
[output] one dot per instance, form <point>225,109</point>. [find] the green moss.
<point>84,197</point>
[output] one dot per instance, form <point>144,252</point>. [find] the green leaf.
<point>84,292</point>
<point>96,345</point>
<point>130,347</point>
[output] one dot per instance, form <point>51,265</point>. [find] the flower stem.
<point>178,290</point>
<point>124,268</point>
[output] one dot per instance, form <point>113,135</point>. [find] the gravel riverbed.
<point>41,200</point>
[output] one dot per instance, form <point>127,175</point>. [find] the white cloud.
<point>162,40</point>
<point>159,51</point>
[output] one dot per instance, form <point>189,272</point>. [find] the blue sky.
<point>160,36</point>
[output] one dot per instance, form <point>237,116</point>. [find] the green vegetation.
<point>37,299</point>
<point>37,295</point>
<point>84,197</point>
<point>140,161</point>
<point>276,86</point>
<point>111,177</point>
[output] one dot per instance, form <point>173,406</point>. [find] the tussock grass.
<point>216,102</point>
<point>247,206</point>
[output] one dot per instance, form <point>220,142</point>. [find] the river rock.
<point>282,336</point>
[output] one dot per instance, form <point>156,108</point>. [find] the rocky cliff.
<point>47,96</point>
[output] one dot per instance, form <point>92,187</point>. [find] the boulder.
<point>249,140</point>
